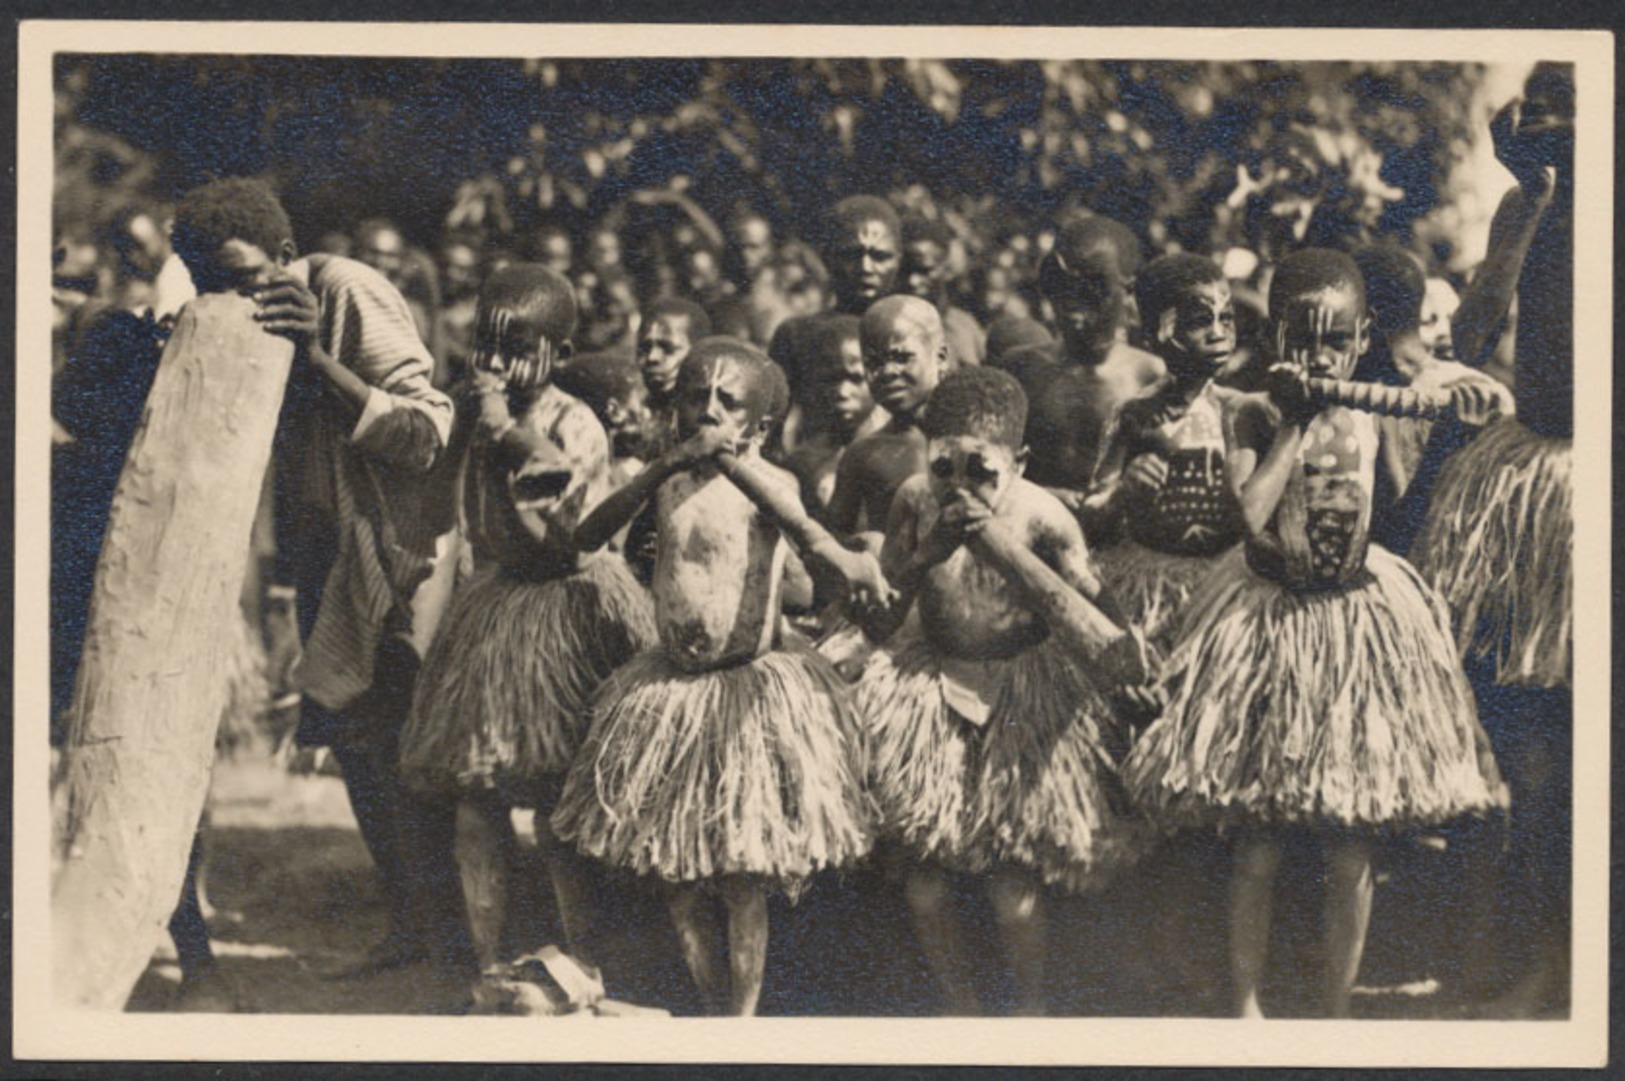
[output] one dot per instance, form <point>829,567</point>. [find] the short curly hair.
<point>1158,286</point>
<point>237,208</point>
<point>979,401</point>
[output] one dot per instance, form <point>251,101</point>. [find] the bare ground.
<point>294,896</point>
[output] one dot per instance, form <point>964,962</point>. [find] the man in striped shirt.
<point>364,526</point>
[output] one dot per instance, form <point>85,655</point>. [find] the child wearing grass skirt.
<point>1313,682</point>
<point>722,762</point>
<point>496,719</point>
<point>1498,540</point>
<point>991,747</point>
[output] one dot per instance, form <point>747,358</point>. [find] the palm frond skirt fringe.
<point>745,770</point>
<point>503,692</point>
<point>1344,708</point>
<point>1499,545</point>
<point>1036,786</point>
<point>1151,586</point>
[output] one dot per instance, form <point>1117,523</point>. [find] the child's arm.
<point>866,584</point>
<point>1117,654</point>
<point>906,558</point>
<point>1259,484</point>
<point>622,505</point>
<point>1119,479</point>
<point>846,501</point>
<point>1484,305</point>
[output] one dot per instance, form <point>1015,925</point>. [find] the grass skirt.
<point>1035,786</point>
<point>744,770</point>
<point>1499,545</point>
<point>1152,586</point>
<point>502,694</point>
<point>1343,707</point>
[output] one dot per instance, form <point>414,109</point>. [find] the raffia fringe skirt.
<point>1340,708</point>
<point>502,694</point>
<point>1036,786</point>
<point>1152,586</point>
<point>1499,545</point>
<point>744,770</point>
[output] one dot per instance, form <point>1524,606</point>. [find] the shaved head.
<point>898,312</point>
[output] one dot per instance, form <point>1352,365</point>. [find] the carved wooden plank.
<point>152,681</point>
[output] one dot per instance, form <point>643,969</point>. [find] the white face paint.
<point>1322,332</point>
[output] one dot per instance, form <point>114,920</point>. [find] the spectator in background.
<point>460,257</point>
<point>927,267</point>
<point>552,247</point>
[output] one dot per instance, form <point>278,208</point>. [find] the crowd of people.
<point>739,559</point>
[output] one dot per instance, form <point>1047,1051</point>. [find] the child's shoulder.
<point>1036,505</point>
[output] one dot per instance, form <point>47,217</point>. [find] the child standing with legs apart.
<point>1314,681</point>
<point>529,638</point>
<point>722,761</point>
<point>991,748</point>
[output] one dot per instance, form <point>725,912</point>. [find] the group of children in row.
<point>973,685</point>
<point>725,619</point>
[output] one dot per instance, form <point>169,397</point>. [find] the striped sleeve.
<point>367,327</point>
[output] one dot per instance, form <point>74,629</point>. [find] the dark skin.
<point>904,353</point>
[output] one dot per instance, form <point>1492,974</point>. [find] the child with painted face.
<point>1313,683</point>
<point>497,717</point>
<point>1161,480</point>
<point>991,747</point>
<point>723,761</point>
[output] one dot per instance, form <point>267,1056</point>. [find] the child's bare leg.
<point>483,852</point>
<point>1018,908</point>
<point>694,917</point>
<point>1348,915</point>
<point>926,888</point>
<point>747,942</point>
<point>572,876</point>
<point>1252,891</point>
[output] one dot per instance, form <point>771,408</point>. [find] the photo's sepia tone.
<point>812,537</point>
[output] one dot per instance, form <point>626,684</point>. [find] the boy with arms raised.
<point>724,761</point>
<point>991,747</point>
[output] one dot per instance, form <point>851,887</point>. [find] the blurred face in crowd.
<point>863,264</point>
<point>554,251</point>
<point>604,250</point>
<point>384,250</point>
<point>663,345</point>
<point>837,387</point>
<point>753,240</point>
<point>1323,331</point>
<point>701,271</point>
<point>1091,303</point>
<point>1439,304</point>
<point>925,269</point>
<point>459,271</point>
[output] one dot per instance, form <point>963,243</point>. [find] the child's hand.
<point>490,392</point>
<point>1514,150</point>
<point>1479,400</point>
<point>287,307</point>
<point>958,520</point>
<point>1126,661</point>
<point>703,445</point>
<point>867,589</point>
<point>1287,385</point>
<point>1145,475</point>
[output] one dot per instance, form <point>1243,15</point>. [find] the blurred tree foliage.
<point>1201,155</point>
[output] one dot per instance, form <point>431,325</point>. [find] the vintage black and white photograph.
<point>538,532</point>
